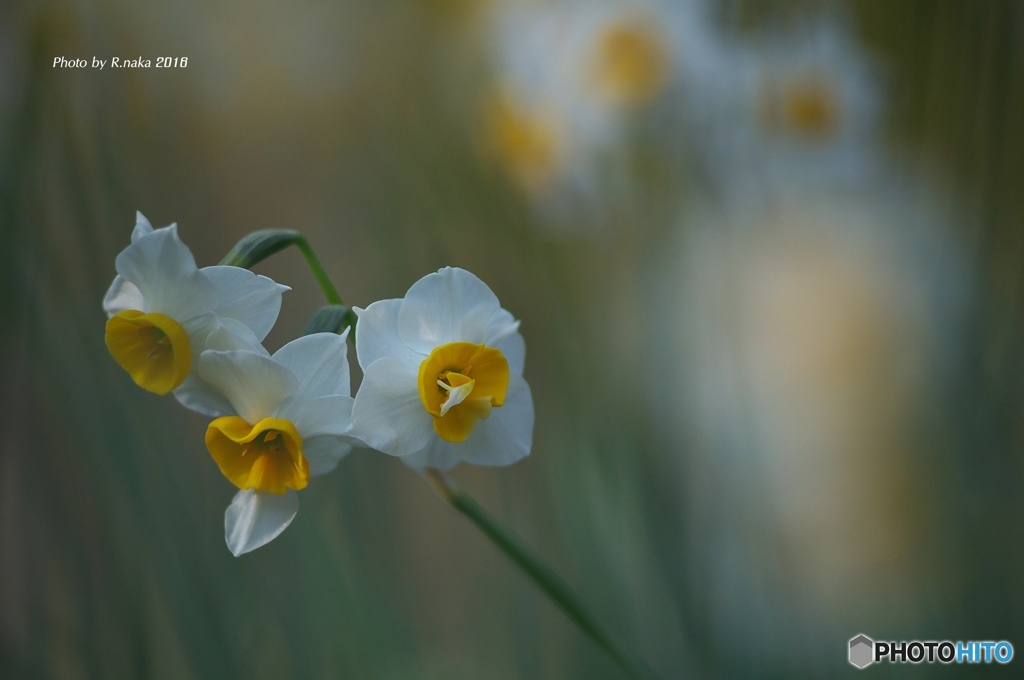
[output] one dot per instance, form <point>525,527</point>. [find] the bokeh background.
<point>769,261</point>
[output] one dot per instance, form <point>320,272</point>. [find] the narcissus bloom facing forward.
<point>163,312</point>
<point>443,376</point>
<point>288,413</point>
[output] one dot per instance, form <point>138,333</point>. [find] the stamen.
<point>456,373</point>
<point>456,395</point>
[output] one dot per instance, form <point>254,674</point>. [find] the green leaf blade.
<point>253,248</point>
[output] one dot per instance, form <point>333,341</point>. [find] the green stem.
<point>326,285</point>
<point>547,580</point>
<point>330,292</point>
<point>257,246</point>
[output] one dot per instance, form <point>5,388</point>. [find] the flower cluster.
<point>570,79</point>
<point>442,375</point>
<point>576,85</point>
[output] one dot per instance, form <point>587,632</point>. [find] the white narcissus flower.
<point>164,311</point>
<point>572,82</point>
<point>288,414</point>
<point>443,378</point>
<point>795,113</point>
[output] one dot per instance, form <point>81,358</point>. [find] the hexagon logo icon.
<point>862,651</point>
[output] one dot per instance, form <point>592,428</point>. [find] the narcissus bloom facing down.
<point>443,378</point>
<point>288,414</point>
<point>163,312</point>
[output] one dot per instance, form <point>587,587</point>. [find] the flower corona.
<point>459,383</point>
<point>266,456</point>
<point>153,348</point>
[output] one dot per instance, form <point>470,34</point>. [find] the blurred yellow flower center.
<point>525,141</point>
<point>459,384</point>
<point>153,348</point>
<point>632,64</point>
<point>809,108</point>
<point>266,456</point>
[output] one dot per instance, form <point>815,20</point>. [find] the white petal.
<point>142,227</point>
<point>503,334</point>
<point>323,453</point>
<point>330,415</point>
<point>388,414</point>
<point>210,332</point>
<point>255,518</point>
<point>229,334</point>
<point>448,306</point>
<point>320,362</point>
<point>501,323</point>
<point>200,396</point>
<point>377,335</point>
<point>253,384</point>
<point>199,328</point>
<point>252,299</point>
<point>164,271</point>
<point>513,348</point>
<point>507,435</point>
<point>438,454</point>
<point>122,295</point>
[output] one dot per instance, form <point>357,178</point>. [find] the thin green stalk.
<point>547,580</point>
<point>326,285</point>
<point>330,292</point>
<point>257,246</point>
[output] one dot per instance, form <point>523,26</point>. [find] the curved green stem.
<point>257,246</point>
<point>326,285</point>
<point>330,292</point>
<point>547,580</point>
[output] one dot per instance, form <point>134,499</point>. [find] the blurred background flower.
<point>806,354</point>
<point>800,110</point>
<point>572,83</point>
<point>768,260</point>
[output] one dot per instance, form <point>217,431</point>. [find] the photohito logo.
<point>864,651</point>
<point>861,651</point>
